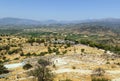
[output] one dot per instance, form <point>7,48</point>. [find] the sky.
<point>60,9</point>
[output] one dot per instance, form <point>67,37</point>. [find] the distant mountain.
<point>107,25</point>
<point>98,25</point>
<point>18,21</point>
<point>111,22</point>
<point>107,20</point>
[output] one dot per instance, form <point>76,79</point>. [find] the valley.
<point>70,52</point>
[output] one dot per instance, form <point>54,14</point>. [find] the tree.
<point>43,62</point>
<point>42,72</point>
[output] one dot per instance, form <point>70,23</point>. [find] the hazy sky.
<point>60,9</point>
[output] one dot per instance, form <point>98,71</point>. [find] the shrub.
<point>73,67</point>
<point>100,79</point>
<point>34,54</point>
<point>3,69</point>
<point>57,52</point>
<point>68,44</point>
<point>118,64</point>
<point>7,47</point>
<point>98,72</point>
<point>14,51</point>
<point>27,66</point>
<point>54,66</point>
<point>22,54</point>
<point>82,50</point>
<point>6,60</point>
<point>28,54</point>
<point>66,80</point>
<point>49,50</point>
<point>16,58</point>
<point>107,62</point>
<point>64,52</point>
<point>43,53</point>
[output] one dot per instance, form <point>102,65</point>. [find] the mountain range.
<point>19,21</point>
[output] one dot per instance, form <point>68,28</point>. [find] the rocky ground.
<point>76,66</point>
